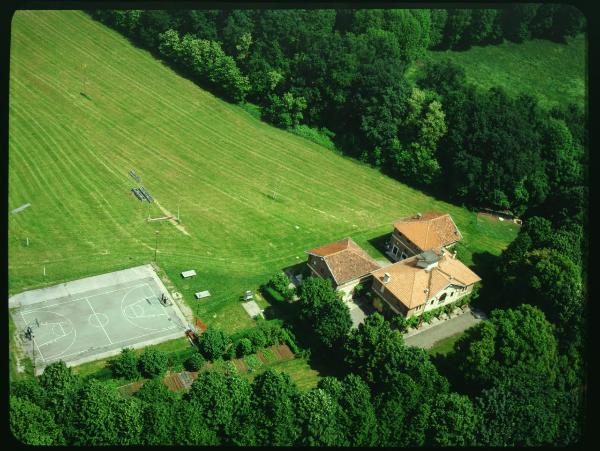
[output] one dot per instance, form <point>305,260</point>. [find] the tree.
<point>392,357</point>
<point>154,391</point>
<point>151,24</point>
<point>125,366</point>
<point>158,424</point>
<point>512,338</point>
<point>554,285</point>
<point>457,26</point>
<point>244,347</point>
<point>317,414</point>
<point>223,402</point>
<point>519,409</point>
<point>402,414</point>
<point>421,130</point>
<point>568,21</point>
<point>33,425</point>
<point>104,417</point>
<point>284,111</point>
<point>213,343</point>
<point>362,342</point>
<point>30,390</point>
<point>436,29</point>
<point>190,428</point>
<point>153,362</point>
<point>59,386</point>
<point>444,77</point>
<point>483,27</point>
<point>452,422</point>
<point>207,61</point>
<point>562,155</point>
<point>280,282</point>
<point>321,307</point>
<point>517,21</point>
<point>273,409</point>
<point>194,362</point>
<point>356,415</point>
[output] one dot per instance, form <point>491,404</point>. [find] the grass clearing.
<point>86,106</point>
<point>555,73</point>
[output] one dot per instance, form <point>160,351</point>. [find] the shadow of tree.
<point>484,265</point>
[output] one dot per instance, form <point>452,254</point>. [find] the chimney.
<point>386,277</point>
<point>454,255</point>
<point>419,215</point>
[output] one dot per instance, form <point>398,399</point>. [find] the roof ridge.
<point>362,253</point>
<point>428,286</point>
<point>450,276</point>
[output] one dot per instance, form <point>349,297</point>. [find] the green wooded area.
<point>515,380</point>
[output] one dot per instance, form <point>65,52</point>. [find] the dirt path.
<point>172,221</point>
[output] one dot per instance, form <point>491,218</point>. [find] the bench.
<point>202,294</point>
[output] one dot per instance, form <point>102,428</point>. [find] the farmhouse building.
<point>420,283</point>
<point>344,263</point>
<point>422,232</point>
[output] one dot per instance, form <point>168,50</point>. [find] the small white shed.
<point>202,294</point>
<point>189,273</point>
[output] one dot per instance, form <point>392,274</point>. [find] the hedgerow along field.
<point>554,72</point>
<point>86,106</point>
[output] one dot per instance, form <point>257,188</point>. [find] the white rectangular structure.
<point>189,273</point>
<point>202,294</point>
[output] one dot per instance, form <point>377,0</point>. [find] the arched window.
<point>442,298</point>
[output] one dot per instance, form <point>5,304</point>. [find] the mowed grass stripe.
<point>217,162</point>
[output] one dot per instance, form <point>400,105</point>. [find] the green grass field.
<point>555,73</point>
<point>86,106</point>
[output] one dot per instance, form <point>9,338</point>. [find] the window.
<point>442,298</point>
<point>403,256</point>
<point>395,250</point>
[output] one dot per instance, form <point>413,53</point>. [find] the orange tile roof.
<point>346,260</point>
<point>413,286</point>
<point>429,231</point>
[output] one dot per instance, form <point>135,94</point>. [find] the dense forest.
<point>337,76</point>
<point>517,379</point>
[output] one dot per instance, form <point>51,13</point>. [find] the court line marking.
<point>99,322</point>
<point>123,341</point>
<point>39,350</point>
<point>174,313</point>
<point>85,297</point>
<point>39,346</point>
<point>34,342</point>
<point>137,301</point>
<point>157,332</point>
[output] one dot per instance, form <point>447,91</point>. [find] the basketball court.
<point>96,317</point>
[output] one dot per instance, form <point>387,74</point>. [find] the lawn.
<point>555,73</point>
<point>444,346</point>
<point>86,106</point>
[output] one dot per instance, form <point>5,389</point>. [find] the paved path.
<point>359,310</point>
<point>428,337</point>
